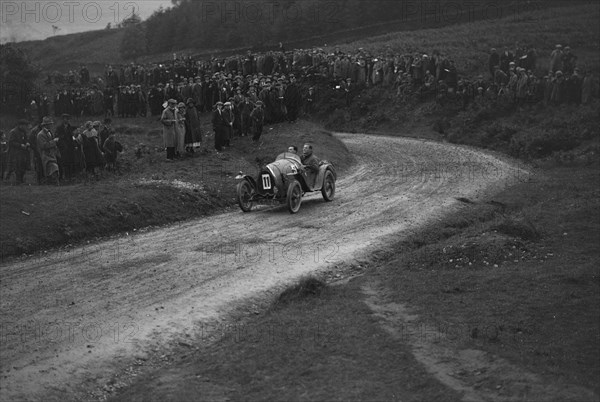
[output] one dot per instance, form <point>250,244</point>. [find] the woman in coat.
<point>46,144</point>
<point>91,147</point>
<point>169,121</point>
<point>180,130</point>
<point>193,135</point>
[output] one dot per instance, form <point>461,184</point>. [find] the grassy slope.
<point>469,44</point>
<point>101,47</point>
<point>531,292</point>
<point>114,204</point>
<point>379,110</point>
<point>533,286</point>
<point>68,51</point>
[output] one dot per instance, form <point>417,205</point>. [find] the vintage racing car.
<point>285,181</point>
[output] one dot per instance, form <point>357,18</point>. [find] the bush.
<point>542,144</point>
<point>517,227</point>
<point>306,287</point>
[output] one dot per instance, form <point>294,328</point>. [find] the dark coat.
<point>18,150</point>
<point>292,96</point>
<point>48,152</point>
<point>66,143</point>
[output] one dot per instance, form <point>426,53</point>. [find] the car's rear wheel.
<point>294,197</point>
<point>328,190</point>
<point>244,195</point>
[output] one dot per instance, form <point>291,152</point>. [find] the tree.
<point>17,77</point>
<point>134,42</point>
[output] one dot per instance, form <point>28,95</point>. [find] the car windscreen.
<point>288,155</point>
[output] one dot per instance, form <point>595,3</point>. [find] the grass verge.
<point>149,192</point>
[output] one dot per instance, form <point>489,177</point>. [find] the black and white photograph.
<point>300,200</point>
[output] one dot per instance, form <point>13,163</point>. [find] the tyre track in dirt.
<point>72,318</point>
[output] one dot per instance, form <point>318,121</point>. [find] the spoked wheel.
<point>244,194</point>
<point>294,197</point>
<point>328,190</point>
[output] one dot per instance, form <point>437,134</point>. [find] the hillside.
<point>511,129</point>
<point>193,30</point>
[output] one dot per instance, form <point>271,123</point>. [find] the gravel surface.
<point>73,317</point>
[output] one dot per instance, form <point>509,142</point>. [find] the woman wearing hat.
<point>180,130</point>
<point>556,59</point>
<point>48,150</point>
<point>91,147</point>
<point>193,135</point>
<point>169,121</point>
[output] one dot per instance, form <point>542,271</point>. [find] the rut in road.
<point>81,314</point>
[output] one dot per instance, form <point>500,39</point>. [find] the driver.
<point>310,162</point>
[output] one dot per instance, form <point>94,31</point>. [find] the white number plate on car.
<point>266,181</point>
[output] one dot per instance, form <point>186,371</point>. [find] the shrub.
<point>542,144</point>
<point>517,227</point>
<point>307,286</point>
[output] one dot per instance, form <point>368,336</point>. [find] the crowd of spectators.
<point>61,152</point>
<point>271,87</point>
<point>138,90</point>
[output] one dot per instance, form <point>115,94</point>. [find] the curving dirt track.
<point>71,317</point>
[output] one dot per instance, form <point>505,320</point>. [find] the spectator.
<point>193,135</point>
<point>169,121</point>
<point>67,147</point>
<point>18,151</point>
<point>258,119</point>
<point>180,130</point>
<point>556,59</point>
<point>569,61</point>
<point>46,144</point>
<point>3,154</point>
<point>112,148</point>
<point>220,126</point>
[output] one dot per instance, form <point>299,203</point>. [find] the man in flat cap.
<point>197,94</point>
<point>292,99</point>
<point>258,119</point>
<point>219,126</point>
<point>229,117</point>
<point>156,97</point>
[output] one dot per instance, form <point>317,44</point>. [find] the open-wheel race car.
<point>285,181</point>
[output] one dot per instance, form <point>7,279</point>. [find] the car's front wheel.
<point>294,197</point>
<point>244,195</point>
<point>328,190</point>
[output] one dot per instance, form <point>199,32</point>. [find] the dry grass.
<point>149,192</point>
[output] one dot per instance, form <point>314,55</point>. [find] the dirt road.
<point>71,317</point>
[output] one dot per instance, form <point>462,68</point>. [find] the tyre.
<point>328,190</point>
<point>294,197</point>
<point>244,194</point>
